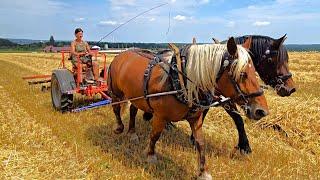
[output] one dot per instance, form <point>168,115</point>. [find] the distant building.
<point>54,49</point>
<point>95,48</point>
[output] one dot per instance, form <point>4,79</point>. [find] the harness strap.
<point>179,67</point>
<point>146,78</point>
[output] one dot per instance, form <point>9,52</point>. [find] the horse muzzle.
<point>284,91</point>
<point>255,112</point>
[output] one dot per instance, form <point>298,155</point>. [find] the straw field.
<point>37,142</point>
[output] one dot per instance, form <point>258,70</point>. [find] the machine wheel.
<point>60,101</point>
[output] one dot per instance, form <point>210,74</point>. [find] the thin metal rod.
<point>36,77</point>
<point>132,19</point>
<point>148,96</point>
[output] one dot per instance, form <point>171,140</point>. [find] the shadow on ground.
<point>172,149</point>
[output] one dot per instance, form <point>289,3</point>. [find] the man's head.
<point>78,33</point>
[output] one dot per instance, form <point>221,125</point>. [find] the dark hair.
<point>78,30</point>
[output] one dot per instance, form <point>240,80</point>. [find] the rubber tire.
<point>60,102</point>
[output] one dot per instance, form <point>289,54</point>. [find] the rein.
<point>242,96</point>
<point>179,92</point>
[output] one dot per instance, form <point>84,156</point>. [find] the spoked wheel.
<point>60,101</point>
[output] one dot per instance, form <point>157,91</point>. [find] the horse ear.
<point>194,41</point>
<point>247,43</point>
<point>277,43</point>
<point>232,46</point>
<point>215,41</point>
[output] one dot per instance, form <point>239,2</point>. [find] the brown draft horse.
<point>270,58</point>
<point>237,80</point>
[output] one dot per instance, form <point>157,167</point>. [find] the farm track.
<point>37,142</point>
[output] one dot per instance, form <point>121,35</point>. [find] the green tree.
<point>51,41</point>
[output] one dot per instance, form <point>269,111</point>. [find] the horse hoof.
<point>119,129</point>
<point>205,176</point>
<point>134,138</point>
<point>244,149</point>
<point>152,159</point>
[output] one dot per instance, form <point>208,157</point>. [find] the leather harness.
<point>206,98</point>
<point>277,80</point>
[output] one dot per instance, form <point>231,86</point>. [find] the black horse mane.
<point>260,44</point>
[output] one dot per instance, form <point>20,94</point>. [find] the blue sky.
<point>203,19</point>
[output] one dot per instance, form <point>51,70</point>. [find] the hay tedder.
<point>65,83</point>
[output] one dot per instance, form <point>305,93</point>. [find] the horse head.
<point>239,81</point>
<point>273,66</point>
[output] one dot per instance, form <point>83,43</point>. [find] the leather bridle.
<point>241,96</point>
<point>278,80</point>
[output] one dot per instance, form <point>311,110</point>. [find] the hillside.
<point>5,43</point>
<point>24,41</point>
<point>303,47</point>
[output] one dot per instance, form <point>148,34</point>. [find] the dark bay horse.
<point>226,68</point>
<point>270,58</point>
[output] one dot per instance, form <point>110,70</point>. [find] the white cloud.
<point>123,2</point>
<point>180,18</point>
<point>231,24</point>
<point>204,1</point>
<point>251,7</point>
<point>285,1</point>
<point>152,19</point>
<point>261,23</point>
<point>106,23</point>
<point>78,20</point>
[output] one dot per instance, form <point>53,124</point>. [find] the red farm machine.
<point>65,83</point>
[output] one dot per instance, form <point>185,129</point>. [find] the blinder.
<point>269,54</point>
<point>227,61</point>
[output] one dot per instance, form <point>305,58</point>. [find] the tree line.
<point>6,44</point>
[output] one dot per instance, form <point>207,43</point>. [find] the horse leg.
<point>158,125</point>
<point>243,144</point>
<point>196,127</point>
<point>117,112</point>
<point>147,116</point>
<point>131,130</point>
<point>205,112</point>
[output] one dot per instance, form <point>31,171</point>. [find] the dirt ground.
<point>37,142</point>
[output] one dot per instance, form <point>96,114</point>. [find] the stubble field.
<point>37,142</point>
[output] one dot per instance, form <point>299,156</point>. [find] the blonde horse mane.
<point>203,66</point>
